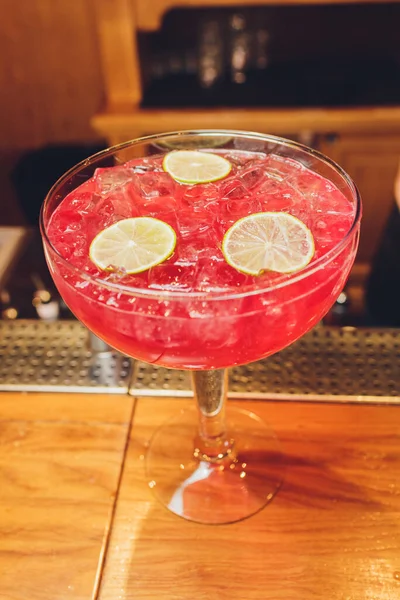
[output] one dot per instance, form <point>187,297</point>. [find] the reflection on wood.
<point>60,460</point>
<point>125,125</point>
<point>332,531</point>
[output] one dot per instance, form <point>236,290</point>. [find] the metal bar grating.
<point>331,364</point>
<point>335,364</point>
<point>55,356</point>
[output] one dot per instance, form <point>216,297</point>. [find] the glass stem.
<point>213,443</point>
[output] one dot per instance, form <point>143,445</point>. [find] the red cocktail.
<point>259,253</point>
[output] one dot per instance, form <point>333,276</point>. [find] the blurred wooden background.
<point>50,74</point>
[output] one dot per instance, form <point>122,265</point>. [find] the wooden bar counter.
<point>78,520</point>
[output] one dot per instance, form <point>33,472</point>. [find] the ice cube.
<point>108,180</point>
<point>110,210</point>
<point>145,165</point>
<point>280,196</point>
<point>239,160</point>
<point>82,202</point>
<point>153,185</point>
<point>276,202</point>
<point>157,206</point>
<point>119,205</point>
<point>269,185</point>
<point>233,210</point>
<point>332,202</point>
<point>253,175</point>
<point>66,222</point>
<point>163,209</point>
<point>233,189</point>
<point>241,208</point>
<point>199,197</point>
<point>326,229</point>
<point>68,233</point>
<point>310,186</point>
<point>202,244</point>
<point>64,247</point>
<point>191,224</point>
<point>218,276</point>
<point>213,325</point>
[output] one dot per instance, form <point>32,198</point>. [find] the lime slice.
<point>268,241</point>
<point>133,245</point>
<point>191,166</point>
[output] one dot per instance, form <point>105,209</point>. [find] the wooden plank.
<point>150,14</point>
<point>50,78</point>
<point>331,532</point>
<point>125,125</point>
<point>59,480</point>
<point>85,408</point>
<point>50,549</point>
<point>119,52</point>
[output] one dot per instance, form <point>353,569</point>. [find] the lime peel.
<point>133,245</point>
<point>268,241</point>
<point>194,167</point>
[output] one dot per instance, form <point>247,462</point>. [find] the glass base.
<point>224,491</point>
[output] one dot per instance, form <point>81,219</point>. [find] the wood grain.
<point>150,14</point>
<point>119,52</point>
<point>50,78</point>
<point>124,125</point>
<point>333,531</point>
<point>60,462</point>
<point>372,162</point>
<point>79,408</point>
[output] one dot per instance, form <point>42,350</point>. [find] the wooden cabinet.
<point>372,161</point>
<point>119,23</point>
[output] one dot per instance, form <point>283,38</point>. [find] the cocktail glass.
<point>212,464</point>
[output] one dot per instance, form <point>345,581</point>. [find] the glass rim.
<point>281,282</point>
